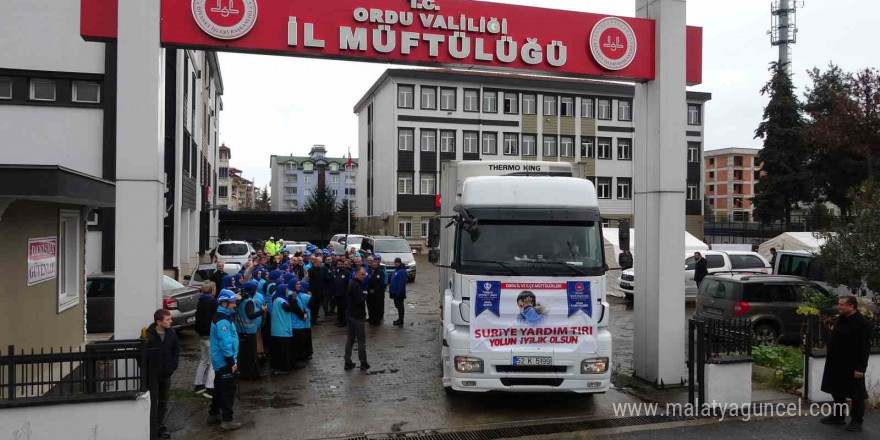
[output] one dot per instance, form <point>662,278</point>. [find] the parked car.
<point>342,243</point>
<point>770,302</point>
<point>234,252</point>
<point>295,246</point>
<point>391,248</point>
<point>716,262</point>
<point>205,271</point>
<point>180,300</point>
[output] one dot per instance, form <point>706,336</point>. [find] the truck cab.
<point>522,285</point>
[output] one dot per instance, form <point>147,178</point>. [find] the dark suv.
<point>769,301</point>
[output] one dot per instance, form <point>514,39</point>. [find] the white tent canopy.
<point>792,241</point>
<point>612,244</point>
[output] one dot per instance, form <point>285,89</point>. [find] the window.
<point>757,176</point>
<point>624,188</point>
<point>291,179</point>
<point>528,145</point>
<point>293,204</point>
<point>224,173</point>
<point>737,161</point>
<point>42,90</point>
<point>740,216</point>
<point>5,88</point>
<point>448,99</point>
<point>712,161</point>
<point>429,98</point>
<point>693,192</point>
<point>349,179</point>
<point>549,105</point>
<point>224,192</point>
<point>746,261</point>
<point>84,91</point>
<point>471,100</point>
<point>711,174</point>
<point>490,143</point>
<point>737,175</point>
<point>693,152</point>
<point>404,183</point>
<point>334,166</point>
<point>405,139</point>
<point>624,110</point>
<point>511,144</point>
<point>588,108</point>
<point>425,227</point>
<point>603,187</point>
<point>604,148</point>
<point>447,141</point>
<point>68,260</point>
<point>429,140</point>
<point>588,147</point>
<point>471,142</point>
<point>566,106</point>
<point>405,96</point>
<point>550,146</point>
<point>307,178</point>
<point>624,149</point>
<point>490,102</point>
<point>566,146</point>
<point>605,109</point>
<point>738,188</point>
<point>290,191</point>
<point>511,103</point>
<point>711,188</point>
<point>695,114</point>
<point>427,184</point>
<point>308,166</point>
<point>334,179</point>
<point>404,226</point>
<point>711,202</point>
<point>738,202</point>
<point>529,105</point>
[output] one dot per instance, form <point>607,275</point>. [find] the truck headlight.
<point>594,366</point>
<point>464,364</point>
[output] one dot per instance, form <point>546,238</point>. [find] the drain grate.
<point>530,430</point>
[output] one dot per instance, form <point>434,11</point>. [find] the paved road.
<point>402,392</point>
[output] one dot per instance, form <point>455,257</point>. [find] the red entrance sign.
<point>462,33</point>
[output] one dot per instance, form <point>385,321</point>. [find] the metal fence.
<point>721,230</point>
<point>712,340</point>
<point>107,370</point>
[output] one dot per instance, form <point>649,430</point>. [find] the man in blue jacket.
<point>397,289</point>
<point>224,356</point>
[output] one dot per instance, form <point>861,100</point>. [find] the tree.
<point>320,209</point>
<point>263,201</point>
<point>784,157</point>
<point>849,256</point>
<point>865,87</point>
<point>837,162</point>
<point>340,222</point>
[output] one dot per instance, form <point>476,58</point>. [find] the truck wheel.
<point>766,334</point>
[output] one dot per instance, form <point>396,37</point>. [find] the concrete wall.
<point>34,321</point>
<point>729,383</point>
<point>93,252</point>
<point>817,369</point>
<point>118,420</point>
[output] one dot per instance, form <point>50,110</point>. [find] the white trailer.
<point>522,285</point>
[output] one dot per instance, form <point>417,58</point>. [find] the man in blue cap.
<point>318,290</point>
<point>224,357</point>
<point>376,285</point>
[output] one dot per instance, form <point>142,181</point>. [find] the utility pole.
<point>783,28</point>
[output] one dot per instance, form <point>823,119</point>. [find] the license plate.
<point>714,311</point>
<point>191,320</point>
<point>532,360</point>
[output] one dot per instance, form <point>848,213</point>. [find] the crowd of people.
<point>259,321</point>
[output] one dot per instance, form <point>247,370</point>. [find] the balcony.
<point>291,197</point>
<point>290,185</point>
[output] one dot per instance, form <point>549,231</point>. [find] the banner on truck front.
<point>507,315</point>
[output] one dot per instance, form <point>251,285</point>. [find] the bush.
<point>814,302</point>
<point>788,362</point>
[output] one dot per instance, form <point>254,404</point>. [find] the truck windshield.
<point>549,248</point>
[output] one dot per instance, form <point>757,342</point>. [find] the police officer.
<point>224,357</point>
<point>356,313</point>
<point>318,288</point>
<point>376,286</point>
<point>340,285</point>
<point>329,286</point>
<point>249,317</point>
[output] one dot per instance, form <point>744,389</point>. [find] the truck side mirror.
<point>434,232</point>
<point>434,256</point>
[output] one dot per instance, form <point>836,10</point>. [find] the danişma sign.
<point>457,33</point>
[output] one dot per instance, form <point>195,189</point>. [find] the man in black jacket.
<point>356,313</point>
<point>340,286</point>
<point>317,287</point>
<point>162,357</point>
<point>701,268</point>
<point>329,287</point>
<point>846,364</point>
<point>217,276</point>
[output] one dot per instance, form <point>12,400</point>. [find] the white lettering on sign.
<point>42,260</point>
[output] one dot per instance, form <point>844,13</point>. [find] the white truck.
<point>520,251</point>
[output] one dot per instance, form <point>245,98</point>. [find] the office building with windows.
<point>411,120</point>
<point>294,178</point>
<point>234,192</point>
<point>731,176</point>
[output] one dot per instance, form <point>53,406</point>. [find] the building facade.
<point>731,176</point>
<point>294,178</point>
<point>234,192</point>
<point>411,120</point>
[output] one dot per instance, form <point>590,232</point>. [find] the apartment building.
<point>294,178</point>
<point>731,176</point>
<point>411,120</point>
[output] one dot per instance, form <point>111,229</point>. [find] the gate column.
<point>659,180</point>
<point>140,168</point>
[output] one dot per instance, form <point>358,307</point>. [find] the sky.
<point>283,105</point>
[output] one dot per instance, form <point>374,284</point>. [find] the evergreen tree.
<point>263,201</point>
<point>340,222</point>
<point>320,209</point>
<point>784,157</point>
<point>865,89</point>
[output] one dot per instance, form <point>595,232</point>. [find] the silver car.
<point>180,300</point>
<point>205,271</point>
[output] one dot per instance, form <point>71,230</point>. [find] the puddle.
<point>276,402</point>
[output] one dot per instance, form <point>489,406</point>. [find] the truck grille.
<point>530,369</point>
<point>517,381</point>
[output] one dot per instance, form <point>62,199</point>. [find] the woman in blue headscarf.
<point>282,332</point>
<point>302,327</point>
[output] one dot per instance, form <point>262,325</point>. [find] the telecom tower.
<point>783,28</point>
